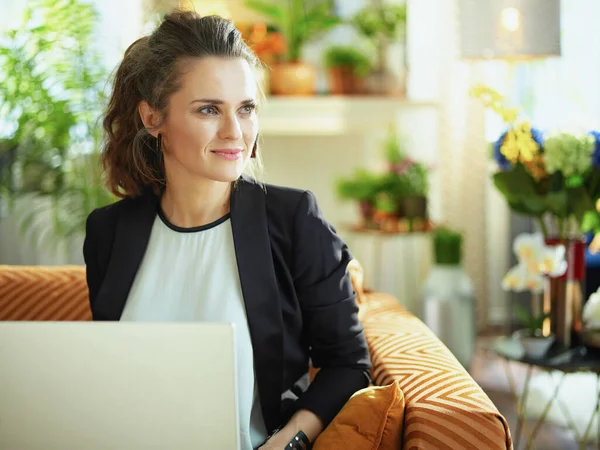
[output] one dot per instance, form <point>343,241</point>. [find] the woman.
<point>194,239</point>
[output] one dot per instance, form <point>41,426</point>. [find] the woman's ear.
<point>150,117</point>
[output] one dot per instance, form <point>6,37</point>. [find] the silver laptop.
<point>111,385</point>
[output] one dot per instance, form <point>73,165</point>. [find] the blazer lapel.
<point>261,297</point>
<point>132,233</point>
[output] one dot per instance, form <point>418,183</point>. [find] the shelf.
<point>331,115</point>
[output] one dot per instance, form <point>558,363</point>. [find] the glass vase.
<point>448,309</point>
<point>563,296</point>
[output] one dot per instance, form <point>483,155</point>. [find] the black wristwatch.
<point>299,442</point>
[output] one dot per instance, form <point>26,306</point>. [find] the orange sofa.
<point>444,408</point>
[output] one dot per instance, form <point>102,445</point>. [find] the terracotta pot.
<point>296,78</point>
<point>343,81</point>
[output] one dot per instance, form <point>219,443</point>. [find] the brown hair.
<point>150,71</point>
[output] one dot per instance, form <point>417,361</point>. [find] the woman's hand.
<point>279,440</point>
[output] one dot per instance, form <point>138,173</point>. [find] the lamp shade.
<point>509,29</point>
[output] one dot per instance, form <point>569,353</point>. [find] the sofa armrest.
<point>44,293</point>
<point>445,408</point>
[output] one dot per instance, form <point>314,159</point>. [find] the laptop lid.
<point>112,385</point>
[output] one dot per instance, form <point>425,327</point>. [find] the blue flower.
<point>537,136</point>
<point>596,154</point>
<point>503,163</point>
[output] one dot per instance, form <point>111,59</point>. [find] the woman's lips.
<point>229,154</point>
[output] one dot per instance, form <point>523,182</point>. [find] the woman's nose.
<point>230,128</point>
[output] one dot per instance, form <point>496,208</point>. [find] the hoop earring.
<point>159,143</point>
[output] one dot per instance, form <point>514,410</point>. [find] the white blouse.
<point>191,274</point>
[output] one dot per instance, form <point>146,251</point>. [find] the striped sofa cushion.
<point>43,293</point>
<point>445,408</point>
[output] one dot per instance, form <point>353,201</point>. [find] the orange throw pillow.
<point>372,419</point>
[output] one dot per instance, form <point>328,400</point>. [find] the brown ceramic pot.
<point>343,81</point>
<point>293,78</point>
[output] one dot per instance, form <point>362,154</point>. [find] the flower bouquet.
<point>554,178</point>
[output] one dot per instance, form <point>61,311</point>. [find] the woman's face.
<point>211,124</point>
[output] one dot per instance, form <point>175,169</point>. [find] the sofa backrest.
<point>44,293</point>
<point>60,292</point>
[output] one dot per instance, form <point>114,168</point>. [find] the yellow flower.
<point>509,115</point>
<point>509,147</point>
<point>519,144</point>
<point>496,102</point>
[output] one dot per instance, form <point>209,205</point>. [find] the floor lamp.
<point>515,32</point>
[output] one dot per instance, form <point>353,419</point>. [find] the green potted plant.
<point>447,246</point>
<point>362,186</point>
<point>397,187</point>
<point>347,67</point>
<point>299,22</point>
<point>531,337</point>
<point>412,201</point>
<point>415,202</point>
<point>386,212</point>
<point>383,24</point>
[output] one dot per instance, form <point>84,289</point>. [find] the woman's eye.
<point>247,109</point>
<point>210,110</point>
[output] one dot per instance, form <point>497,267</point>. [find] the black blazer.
<point>299,299</point>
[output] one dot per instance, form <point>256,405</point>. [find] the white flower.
<point>535,259</point>
<point>552,261</point>
<point>514,280</point>
<point>528,247</point>
<point>591,310</point>
<point>519,279</point>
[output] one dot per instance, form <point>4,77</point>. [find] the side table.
<point>562,360</point>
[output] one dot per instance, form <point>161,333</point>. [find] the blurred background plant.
<point>52,92</point>
<point>346,66</point>
<point>265,40</point>
<point>382,24</point>
<point>348,57</point>
<point>392,200</point>
<point>298,21</point>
